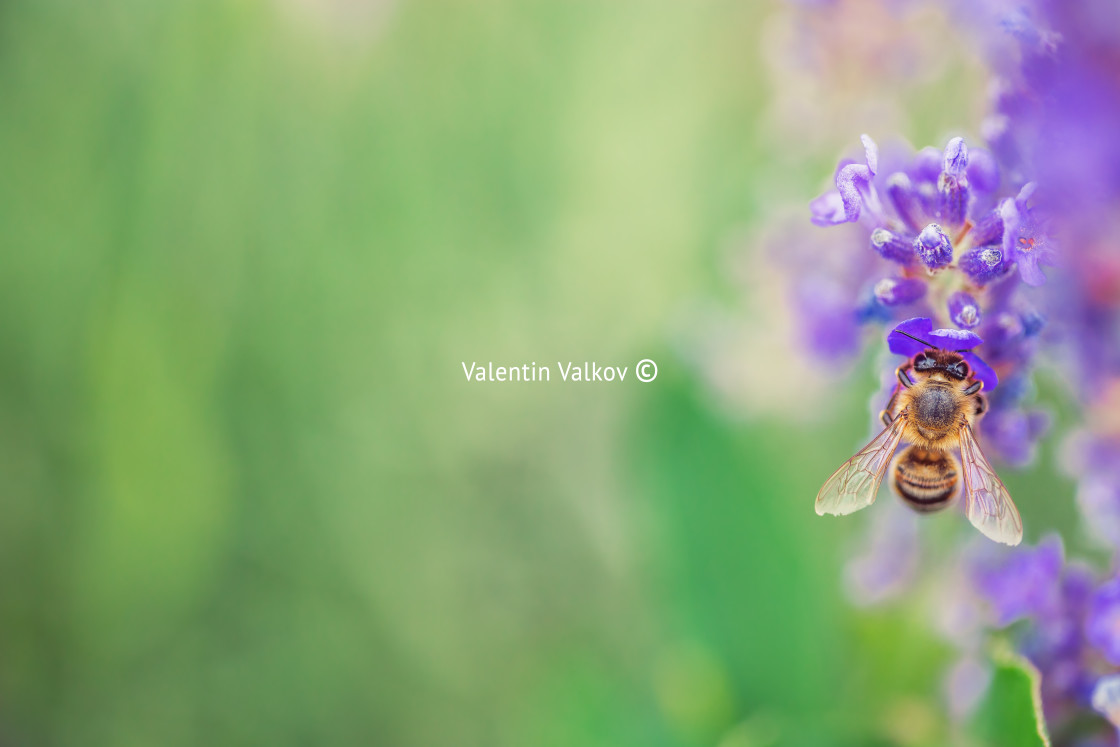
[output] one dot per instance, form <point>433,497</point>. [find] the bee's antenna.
<point>916,339</point>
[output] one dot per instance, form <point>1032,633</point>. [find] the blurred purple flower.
<point>1102,628</point>
<point>1020,582</point>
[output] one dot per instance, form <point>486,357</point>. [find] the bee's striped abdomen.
<point>925,480</point>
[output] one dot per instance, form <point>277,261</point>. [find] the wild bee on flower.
<point>934,407</point>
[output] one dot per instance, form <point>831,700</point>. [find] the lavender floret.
<point>988,230</point>
<point>933,247</point>
<point>892,246</point>
<point>952,185</point>
<point>984,263</point>
<point>899,291</point>
<point>964,310</point>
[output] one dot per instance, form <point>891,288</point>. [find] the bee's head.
<point>957,369</point>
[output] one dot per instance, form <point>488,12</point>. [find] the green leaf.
<point>1011,714</point>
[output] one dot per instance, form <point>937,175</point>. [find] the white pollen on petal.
<point>884,289</point>
<point>991,257</point>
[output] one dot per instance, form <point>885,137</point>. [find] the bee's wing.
<point>986,500</point>
<point>856,483</point>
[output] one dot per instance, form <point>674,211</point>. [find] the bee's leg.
<point>974,388</point>
<point>886,415</point>
<point>903,378</point>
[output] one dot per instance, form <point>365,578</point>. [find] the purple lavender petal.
<point>919,327</point>
<point>933,247</point>
<point>850,182</point>
<point>964,311</point>
<point>899,291</point>
<point>854,180</point>
<point>1028,269</point>
<point>1102,626</point>
<point>981,371</point>
<point>922,328</point>
<point>954,339</point>
<point>828,209</point>
<point>870,153</point>
<point>1032,248</point>
<point>1022,241</point>
<point>1011,215</point>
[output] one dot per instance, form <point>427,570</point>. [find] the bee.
<point>934,408</point>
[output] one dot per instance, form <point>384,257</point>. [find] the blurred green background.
<point>249,497</point>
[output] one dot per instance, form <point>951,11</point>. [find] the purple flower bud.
<point>952,184</point>
<point>955,162</point>
<point>984,263</point>
<point>904,199</point>
<point>1102,626</point>
<point>963,310</point>
<point>933,247</point>
<point>892,246</point>
<point>953,198</point>
<point>899,291</point>
<point>988,230</point>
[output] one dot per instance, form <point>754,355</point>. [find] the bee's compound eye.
<point>924,363</point>
<point>957,370</point>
